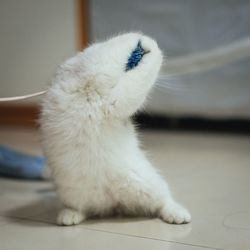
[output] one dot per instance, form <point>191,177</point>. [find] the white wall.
<point>182,28</point>
<point>34,37</point>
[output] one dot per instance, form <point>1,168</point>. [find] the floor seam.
<point>150,238</point>
<point>116,233</point>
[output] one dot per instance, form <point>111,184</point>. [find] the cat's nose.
<point>148,44</point>
<point>145,49</point>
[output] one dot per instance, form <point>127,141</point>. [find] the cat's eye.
<point>135,56</point>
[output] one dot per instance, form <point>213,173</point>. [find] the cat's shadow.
<point>43,212</point>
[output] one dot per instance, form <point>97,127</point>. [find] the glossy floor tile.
<point>25,234</point>
<point>208,173</point>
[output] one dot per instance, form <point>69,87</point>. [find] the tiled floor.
<point>208,173</point>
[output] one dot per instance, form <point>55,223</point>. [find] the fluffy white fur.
<point>90,142</point>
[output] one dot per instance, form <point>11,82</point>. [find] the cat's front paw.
<point>175,214</point>
<point>68,217</point>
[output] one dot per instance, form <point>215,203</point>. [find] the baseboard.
<point>19,115</point>
<point>28,115</point>
<point>194,124</point>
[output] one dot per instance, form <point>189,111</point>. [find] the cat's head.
<point>120,71</point>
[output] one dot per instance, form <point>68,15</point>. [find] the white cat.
<point>90,141</point>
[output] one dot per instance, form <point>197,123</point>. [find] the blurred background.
<point>206,74</point>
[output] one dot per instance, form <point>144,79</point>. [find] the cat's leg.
<point>168,210</point>
<point>68,217</point>
<point>153,198</point>
<point>173,213</point>
<point>73,201</point>
<point>166,207</point>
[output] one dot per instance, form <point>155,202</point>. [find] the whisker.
<point>170,84</point>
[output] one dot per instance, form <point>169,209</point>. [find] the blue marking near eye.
<point>135,57</point>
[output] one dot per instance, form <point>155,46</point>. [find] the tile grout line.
<point>109,232</point>
<point>144,237</point>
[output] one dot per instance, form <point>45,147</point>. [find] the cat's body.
<point>90,142</point>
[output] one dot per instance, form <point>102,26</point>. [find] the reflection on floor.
<point>208,173</point>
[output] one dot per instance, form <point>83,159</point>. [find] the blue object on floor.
<point>20,165</point>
